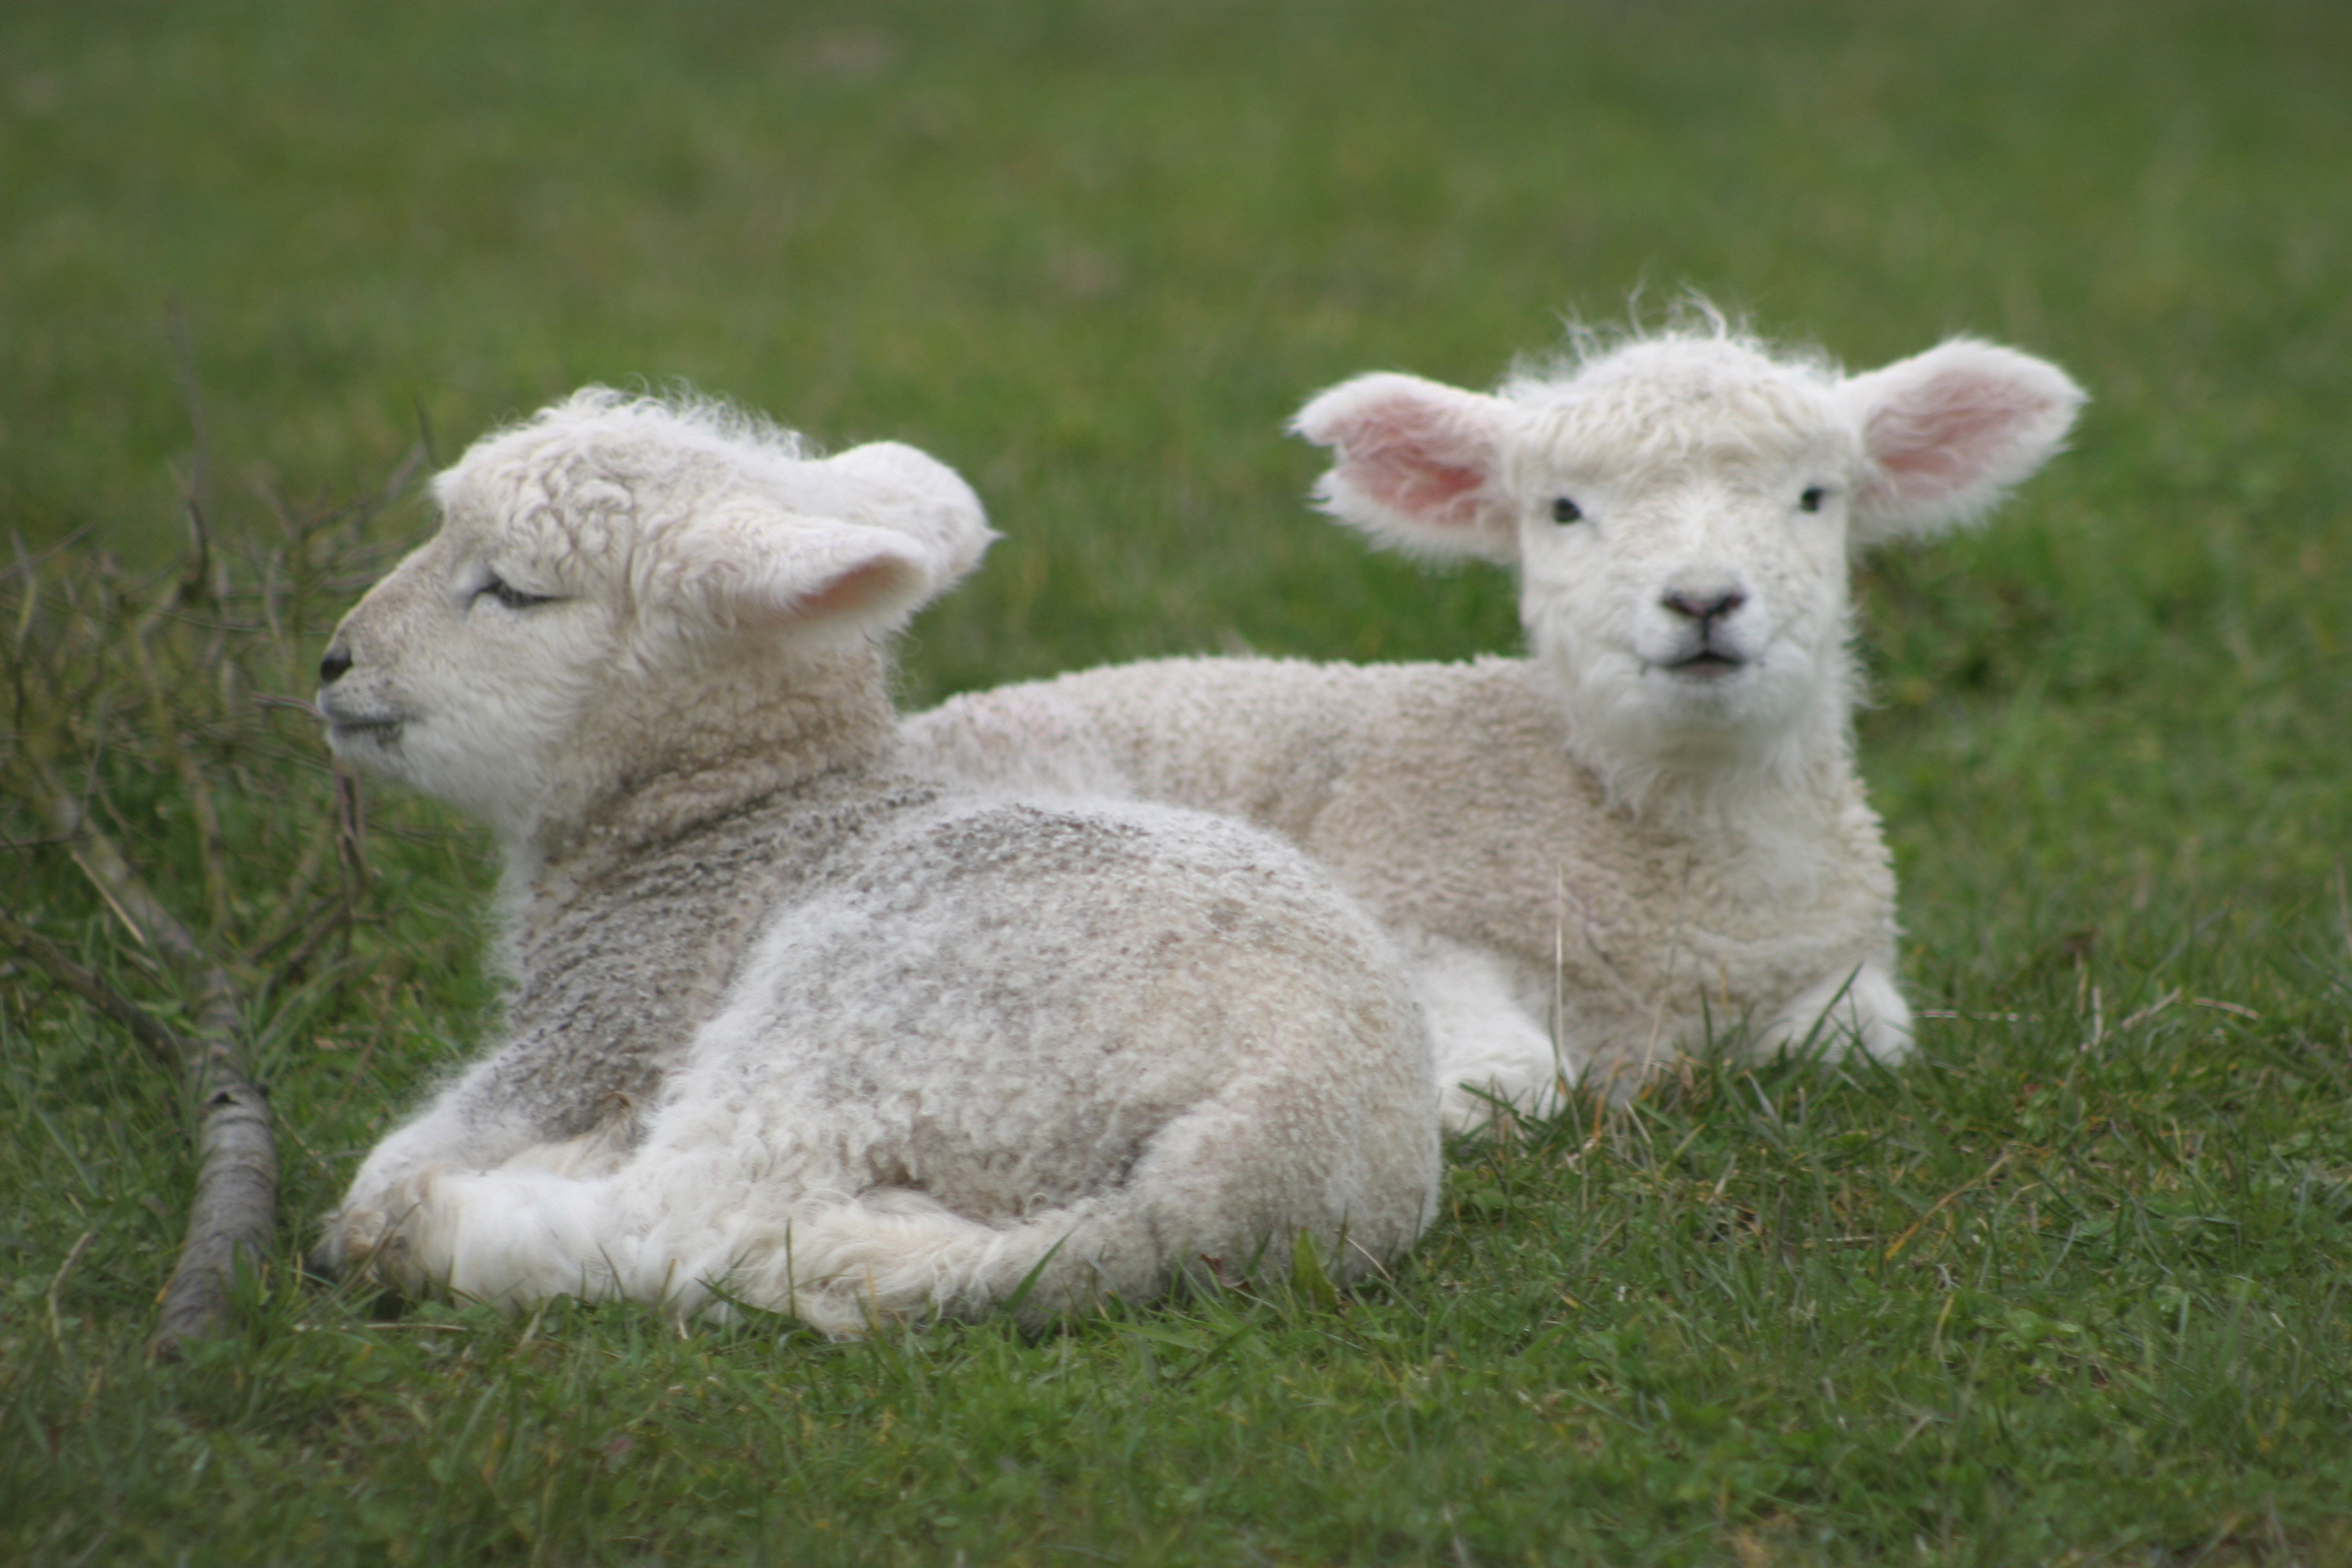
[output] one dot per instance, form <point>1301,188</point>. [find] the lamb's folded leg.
<point>510,1238</point>
<point>1491,1056</point>
<point>1863,1009</point>
<point>471,1127</point>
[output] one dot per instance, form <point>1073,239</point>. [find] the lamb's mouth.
<point>1705,665</point>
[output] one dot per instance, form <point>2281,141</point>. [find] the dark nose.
<point>331,669</point>
<point>1703,609</point>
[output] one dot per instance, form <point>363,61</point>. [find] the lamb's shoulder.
<point>1463,802</point>
<point>618,965</point>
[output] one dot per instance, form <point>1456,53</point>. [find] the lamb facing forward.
<point>786,1026</point>
<point>1650,834</point>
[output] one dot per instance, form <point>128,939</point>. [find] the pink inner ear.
<point>1389,457</point>
<point>853,590</point>
<point>1431,491</point>
<point>1954,432</point>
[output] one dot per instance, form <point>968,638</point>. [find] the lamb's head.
<point>1682,511</point>
<point>625,589</point>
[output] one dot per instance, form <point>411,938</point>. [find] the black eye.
<point>1565,511</point>
<point>1812,500</point>
<point>512,597</point>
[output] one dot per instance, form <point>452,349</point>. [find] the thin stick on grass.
<point>193,787</point>
<point>198,491</point>
<point>163,1044</point>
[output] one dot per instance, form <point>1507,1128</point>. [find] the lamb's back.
<point>1264,740</point>
<point>1011,998</point>
<point>1446,797</point>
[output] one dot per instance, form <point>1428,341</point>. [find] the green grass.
<point>2073,1287</point>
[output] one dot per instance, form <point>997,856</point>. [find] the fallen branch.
<point>234,1214</point>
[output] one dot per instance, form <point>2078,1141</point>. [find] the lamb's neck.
<point>705,874</point>
<point>1767,816</point>
<point>700,750</point>
<point>1800,795</point>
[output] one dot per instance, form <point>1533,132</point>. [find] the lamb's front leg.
<point>1862,1009</point>
<point>511,1236</point>
<point>1492,1057</point>
<point>474,1125</point>
<point>669,1224</point>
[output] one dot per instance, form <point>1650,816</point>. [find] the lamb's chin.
<point>355,743</point>
<point>1643,707</point>
<point>408,756</point>
<point>373,749</point>
<point>1726,736</point>
<point>1715,685</point>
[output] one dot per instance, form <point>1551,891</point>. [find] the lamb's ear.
<point>752,568</point>
<point>1946,433</point>
<point>912,492</point>
<point>1418,464</point>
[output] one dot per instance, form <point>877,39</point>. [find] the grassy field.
<point>2070,1288</point>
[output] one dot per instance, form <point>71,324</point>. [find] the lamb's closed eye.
<point>509,596</point>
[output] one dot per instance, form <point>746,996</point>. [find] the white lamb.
<point>787,1026</point>
<point>1649,835</point>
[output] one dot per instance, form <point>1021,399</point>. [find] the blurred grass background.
<point>1094,252</point>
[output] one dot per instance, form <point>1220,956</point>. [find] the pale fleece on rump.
<point>787,1026</point>
<point>1649,834</point>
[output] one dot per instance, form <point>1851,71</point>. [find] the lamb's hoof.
<point>376,1241</point>
<point>323,1264</point>
<point>351,1239</point>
